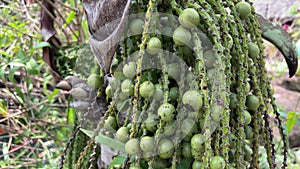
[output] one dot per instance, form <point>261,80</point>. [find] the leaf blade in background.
<point>117,161</point>
<point>70,17</point>
<point>20,96</point>
<point>41,45</point>
<point>71,115</point>
<point>290,121</point>
<point>52,95</point>
<point>102,139</point>
<point>3,110</point>
<point>2,71</point>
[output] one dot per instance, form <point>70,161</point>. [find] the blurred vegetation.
<point>35,118</point>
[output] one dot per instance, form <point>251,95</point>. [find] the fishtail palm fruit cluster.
<point>189,88</point>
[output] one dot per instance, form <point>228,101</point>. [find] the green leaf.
<point>85,29</point>
<point>283,114</point>
<point>71,115</point>
<point>185,163</point>
<point>29,69</point>
<point>52,95</point>
<point>117,161</point>
<point>16,63</point>
<point>41,45</point>
<point>291,121</point>
<point>293,9</point>
<point>70,17</point>
<point>21,54</point>
<point>2,72</point>
<point>72,3</point>
<point>3,111</point>
<point>20,96</point>
<point>102,139</point>
<point>12,73</point>
<point>33,63</point>
<point>5,151</point>
<point>46,81</point>
<point>22,153</point>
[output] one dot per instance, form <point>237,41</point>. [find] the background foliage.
<point>34,116</point>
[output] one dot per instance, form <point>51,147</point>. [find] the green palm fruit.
<point>244,9</point>
<point>189,18</point>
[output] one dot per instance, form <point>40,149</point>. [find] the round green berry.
<point>108,92</point>
<point>119,75</point>
<point>182,36</point>
<point>111,124</point>
<point>154,46</point>
<point>136,26</point>
<point>217,162</point>
<point>247,117</point>
<point>114,83</point>
<point>187,150</point>
<point>253,50</point>
<point>122,134</point>
<point>132,146</point>
<point>165,149</point>
<point>127,87</point>
<point>252,102</point>
<point>94,81</point>
<point>147,143</point>
<point>146,89</point>
<point>166,112</point>
<point>189,18</point>
<point>129,70</point>
<point>244,9</point>
<point>192,99</point>
<point>197,142</point>
<point>197,165</point>
<point>217,114</point>
<point>158,93</point>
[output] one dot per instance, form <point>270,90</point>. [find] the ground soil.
<point>286,98</point>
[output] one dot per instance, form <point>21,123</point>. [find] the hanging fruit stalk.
<point>189,87</point>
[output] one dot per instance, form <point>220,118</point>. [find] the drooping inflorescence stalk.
<point>193,91</point>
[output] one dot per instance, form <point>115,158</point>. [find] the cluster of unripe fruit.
<point>186,88</point>
<point>157,137</point>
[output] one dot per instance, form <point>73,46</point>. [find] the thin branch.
<point>5,23</point>
<point>13,150</point>
<point>78,23</point>
<point>10,8</point>
<point>13,115</point>
<point>28,13</point>
<point>63,18</point>
<point>25,164</point>
<point>54,19</point>
<point>66,6</point>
